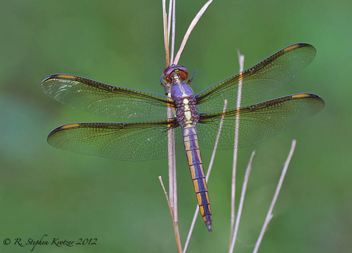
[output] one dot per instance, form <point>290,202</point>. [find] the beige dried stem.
<point>172,200</point>
<point>166,34</point>
<point>190,28</point>
<point>171,145</point>
<point>269,215</point>
<point>167,198</point>
<point>240,206</point>
<point>235,151</point>
<point>206,177</point>
<point>172,9</point>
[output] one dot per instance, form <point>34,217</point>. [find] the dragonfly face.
<point>174,72</point>
<point>196,118</point>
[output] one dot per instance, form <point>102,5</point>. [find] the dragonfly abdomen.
<point>197,173</point>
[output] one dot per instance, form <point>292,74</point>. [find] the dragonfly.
<point>195,118</point>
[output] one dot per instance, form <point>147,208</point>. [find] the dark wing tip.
<point>58,76</point>
<point>308,95</point>
<point>60,128</point>
<point>299,45</point>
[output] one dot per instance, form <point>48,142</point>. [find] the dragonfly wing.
<point>263,78</point>
<point>258,122</point>
<point>137,141</point>
<point>103,99</point>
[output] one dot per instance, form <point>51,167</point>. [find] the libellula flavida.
<point>196,117</point>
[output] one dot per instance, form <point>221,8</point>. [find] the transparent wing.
<point>269,74</point>
<point>103,99</point>
<point>137,141</point>
<point>258,122</point>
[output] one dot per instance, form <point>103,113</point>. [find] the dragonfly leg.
<point>190,80</point>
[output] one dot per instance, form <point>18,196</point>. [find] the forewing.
<point>103,99</point>
<point>269,74</point>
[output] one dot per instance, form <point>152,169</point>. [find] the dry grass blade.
<point>178,240</point>
<point>240,207</point>
<point>277,191</point>
<point>166,37</point>
<point>190,28</point>
<point>206,177</point>
<point>235,151</point>
<point>173,3</point>
<point>172,199</point>
<point>171,137</point>
<point>169,21</point>
<point>167,198</point>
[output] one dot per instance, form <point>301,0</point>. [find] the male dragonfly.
<point>196,117</point>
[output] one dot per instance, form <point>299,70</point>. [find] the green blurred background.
<point>71,196</point>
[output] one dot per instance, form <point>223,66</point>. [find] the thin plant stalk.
<point>171,136</point>
<point>235,151</point>
<point>173,3</point>
<point>166,196</point>
<point>269,215</point>
<point>169,23</point>
<point>177,234</point>
<point>172,200</point>
<point>206,177</point>
<point>166,37</point>
<point>240,206</point>
<point>190,28</point>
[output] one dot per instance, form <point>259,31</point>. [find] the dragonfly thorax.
<point>186,110</point>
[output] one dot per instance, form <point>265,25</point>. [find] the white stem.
<point>269,215</point>
<point>240,207</point>
<point>173,30</point>
<point>190,28</point>
<point>235,150</point>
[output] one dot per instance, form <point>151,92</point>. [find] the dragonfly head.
<point>174,72</point>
